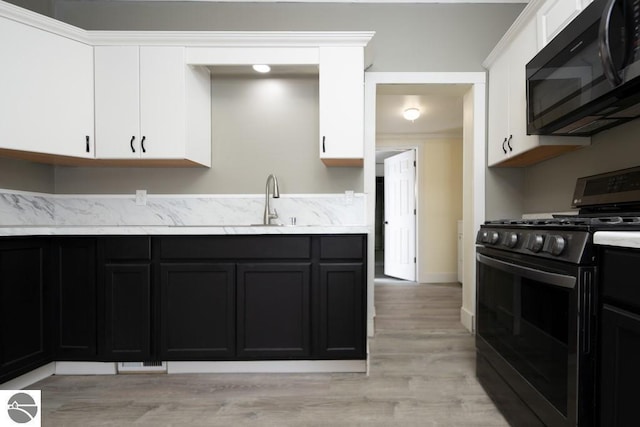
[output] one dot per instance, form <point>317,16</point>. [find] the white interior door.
<point>400,216</point>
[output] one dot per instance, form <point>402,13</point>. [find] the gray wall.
<point>26,176</point>
<point>409,37</point>
<point>548,186</point>
<point>43,7</point>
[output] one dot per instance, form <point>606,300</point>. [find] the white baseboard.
<point>466,318</point>
<point>439,277</point>
<point>85,368</point>
<point>109,368</point>
<point>31,377</point>
<point>276,366</point>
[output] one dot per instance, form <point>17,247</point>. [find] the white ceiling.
<point>440,106</point>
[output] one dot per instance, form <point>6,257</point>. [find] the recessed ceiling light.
<point>411,114</point>
<point>262,68</point>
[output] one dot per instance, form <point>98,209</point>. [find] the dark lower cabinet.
<point>124,299</point>
<point>127,312</point>
<point>197,311</point>
<point>75,273</point>
<point>341,330</point>
<point>25,306</point>
<point>619,336</point>
<point>273,304</point>
<point>620,370</point>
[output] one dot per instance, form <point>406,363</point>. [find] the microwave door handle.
<point>605,48</point>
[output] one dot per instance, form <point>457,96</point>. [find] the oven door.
<point>533,329</point>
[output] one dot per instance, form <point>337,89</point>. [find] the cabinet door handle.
<point>87,143</point>
<point>133,138</point>
<point>323,150</point>
<point>504,142</point>
<point>142,144</point>
<point>509,143</point>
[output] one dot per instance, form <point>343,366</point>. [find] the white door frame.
<point>473,179</point>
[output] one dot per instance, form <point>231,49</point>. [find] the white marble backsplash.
<point>36,209</point>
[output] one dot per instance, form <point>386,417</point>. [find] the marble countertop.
<point>85,230</point>
<point>625,239</point>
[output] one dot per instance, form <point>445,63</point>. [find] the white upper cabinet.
<point>150,105</point>
<point>342,106</point>
<point>508,143</point>
<point>46,92</point>
<point>554,15</point>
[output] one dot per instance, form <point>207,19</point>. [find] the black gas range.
<point>537,303</point>
<point>609,201</point>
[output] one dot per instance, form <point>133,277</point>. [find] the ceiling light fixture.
<point>411,114</point>
<point>262,68</point>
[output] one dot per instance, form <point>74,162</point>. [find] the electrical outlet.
<point>141,197</point>
<point>349,197</point>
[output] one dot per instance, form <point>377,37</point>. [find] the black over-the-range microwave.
<point>587,79</point>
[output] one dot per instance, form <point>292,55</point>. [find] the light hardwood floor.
<point>421,374</point>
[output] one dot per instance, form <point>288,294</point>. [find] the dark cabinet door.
<point>198,311</point>
<point>128,311</point>
<point>25,314</point>
<point>341,330</point>
<point>273,310</point>
<point>75,267</point>
<point>620,370</point>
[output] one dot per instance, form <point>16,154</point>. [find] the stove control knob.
<point>555,244</point>
<point>511,240</point>
<point>535,243</point>
<point>493,237</point>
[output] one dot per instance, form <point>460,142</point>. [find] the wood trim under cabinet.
<point>57,160</point>
<point>537,155</point>
<point>344,162</point>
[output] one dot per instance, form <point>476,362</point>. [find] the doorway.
<point>474,165</point>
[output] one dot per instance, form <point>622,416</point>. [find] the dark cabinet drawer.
<point>235,247</point>
<point>127,247</point>
<point>343,246</point>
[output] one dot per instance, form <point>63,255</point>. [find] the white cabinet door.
<point>498,114</point>
<point>150,105</point>
<point>342,106</point>
<point>46,92</point>
<point>554,15</point>
<point>507,101</point>
<point>519,53</point>
<point>162,102</point>
<point>117,91</point>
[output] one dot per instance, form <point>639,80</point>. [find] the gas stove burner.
<point>631,220</point>
<point>569,221</point>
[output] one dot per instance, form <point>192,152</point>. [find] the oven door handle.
<point>529,273</point>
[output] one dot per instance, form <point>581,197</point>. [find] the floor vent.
<point>141,367</point>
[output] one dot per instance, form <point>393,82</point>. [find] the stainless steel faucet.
<point>268,215</point>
